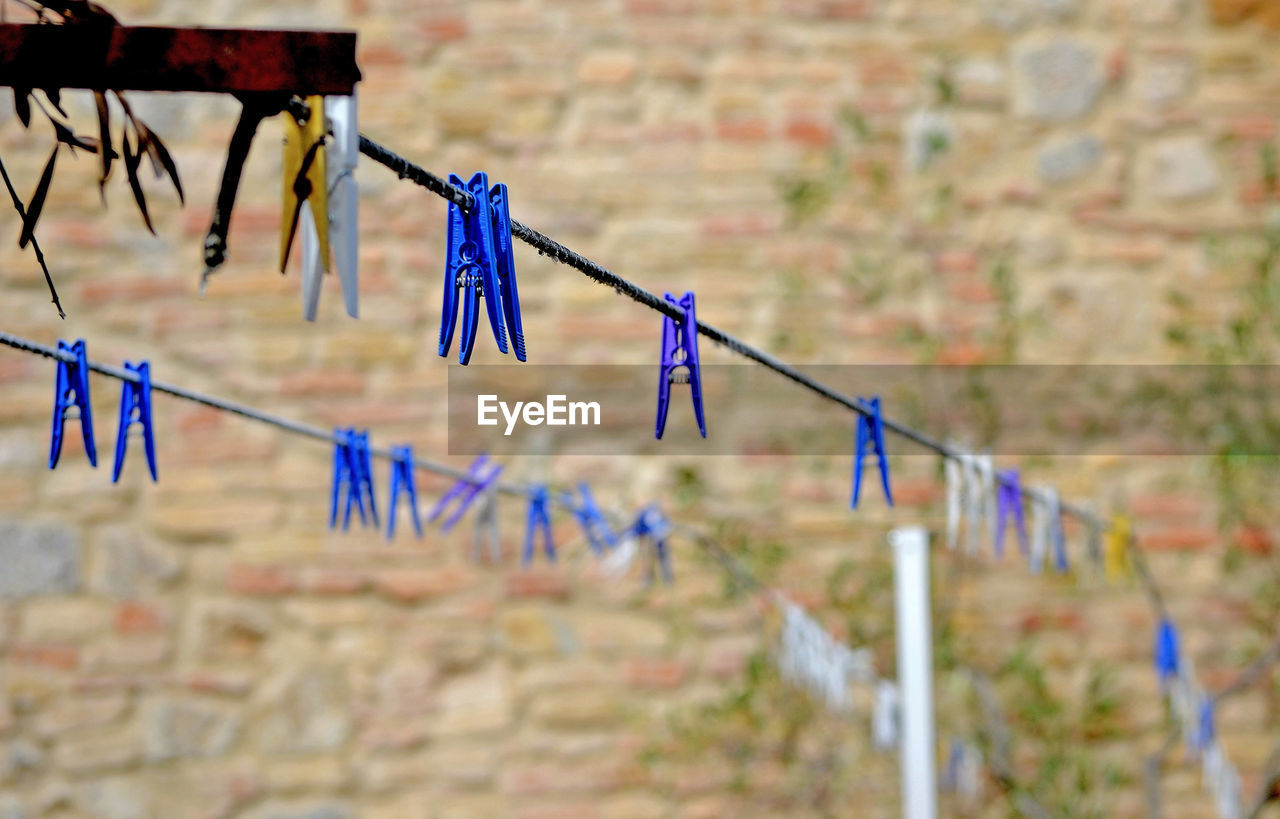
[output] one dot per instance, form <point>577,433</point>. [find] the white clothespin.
<point>963,774</point>
<point>983,501</point>
<point>955,491</point>
<point>617,562</point>
<point>969,774</point>
<point>884,719</point>
<point>342,153</point>
<point>1057,538</point>
<point>1040,533</point>
<point>1228,795</point>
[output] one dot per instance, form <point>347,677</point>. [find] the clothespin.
<point>465,491</point>
<point>486,524</point>
<point>616,563</point>
<point>1009,500</point>
<point>984,498</point>
<point>884,718</point>
<point>342,155</point>
<point>1206,730</point>
<point>1166,652</point>
<point>595,527</point>
<point>870,433</point>
<point>679,349</point>
<point>1039,533</point>
<point>539,519</point>
<point>1057,535</point>
<point>71,391</point>
<point>402,481</point>
<point>652,526</point>
<point>352,479</point>
<point>1095,541</point>
<point>955,496</point>
<point>480,264</point>
<point>1117,558</point>
<point>135,408</point>
<point>964,769</point>
<point>305,183</point>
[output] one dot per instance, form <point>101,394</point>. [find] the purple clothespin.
<point>135,408</point>
<point>72,390</point>
<point>870,433</point>
<point>652,525</point>
<point>595,526</point>
<point>1009,500</point>
<point>1166,651</point>
<point>539,519</point>
<point>352,478</point>
<point>465,491</point>
<point>679,349</point>
<point>402,481</point>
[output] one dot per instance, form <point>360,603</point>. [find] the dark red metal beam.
<point>146,58</point>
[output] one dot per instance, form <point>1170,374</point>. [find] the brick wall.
<point>841,182</point>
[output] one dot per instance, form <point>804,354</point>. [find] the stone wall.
<point>841,182</point>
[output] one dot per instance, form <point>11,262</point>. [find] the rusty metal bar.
<point>152,58</point>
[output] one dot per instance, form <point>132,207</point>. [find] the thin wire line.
<point>546,246</point>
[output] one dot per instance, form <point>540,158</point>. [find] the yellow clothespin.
<point>1116,558</point>
<point>304,179</point>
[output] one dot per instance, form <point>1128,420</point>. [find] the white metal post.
<point>915,671</point>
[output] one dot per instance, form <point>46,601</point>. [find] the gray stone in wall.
<point>114,799</point>
<point>1063,159</point>
<point>38,558</point>
<point>1014,14</point>
<point>331,810</point>
<point>1182,168</point>
<point>188,729</point>
<point>1057,80</point>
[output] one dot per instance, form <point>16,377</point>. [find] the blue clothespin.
<point>679,349</point>
<point>352,478</point>
<point>465,491</point>
<point>480,264</point>
<point>402,481</point>
<point>870,433</point>
<point>652,525</point>
<point>595,526</point>
<point>72,390</point>
<point>1009,500</point>
<point>500,201</point>
<point>135,408</point>
<point>1166,651</point>
<point>539,519</point>
<point>1207,729</point>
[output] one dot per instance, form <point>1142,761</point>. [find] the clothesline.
<point>742,576</point>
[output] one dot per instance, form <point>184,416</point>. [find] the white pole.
<point>915,671</point>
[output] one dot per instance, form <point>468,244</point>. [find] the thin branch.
<point>998,742</point>
<point>35,245</point>
<point>1253,672</point>
<point>1270,788</point>
<point>1152,768</point>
